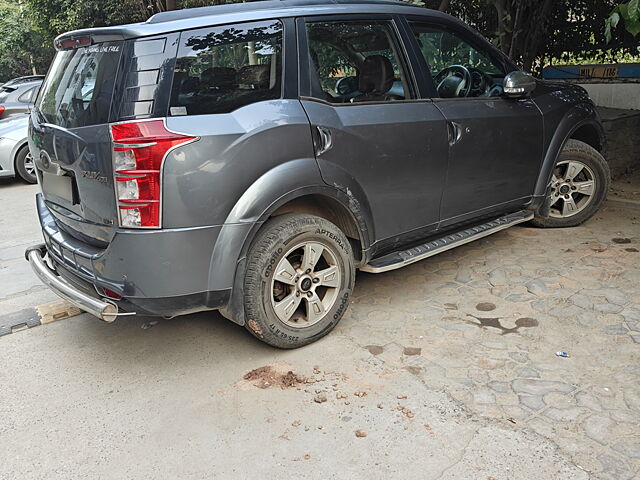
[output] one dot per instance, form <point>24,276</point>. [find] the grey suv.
<point>249,158</point>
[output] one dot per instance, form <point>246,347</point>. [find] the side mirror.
<point>519,84</point>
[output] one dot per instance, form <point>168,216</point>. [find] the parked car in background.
<point>21,80</point>
<point>18,97</point>
<point>15,159</point>
<point>248,158</point>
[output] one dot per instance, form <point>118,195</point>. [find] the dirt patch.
<point>374,349</point>
<point>485,307</point>
<point>621,240</point>
<point>255,327</point>
<point>412,351</point>
<point>269,376</point>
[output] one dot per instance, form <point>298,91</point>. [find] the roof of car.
<point>191,18</point>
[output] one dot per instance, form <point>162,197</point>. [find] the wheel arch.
<point>579,123</point>
<point>295,186</point>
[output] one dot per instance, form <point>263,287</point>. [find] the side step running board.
<point>403,258</point>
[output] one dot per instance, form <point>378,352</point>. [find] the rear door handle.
<point>324,140</point>
<point>455,132</point>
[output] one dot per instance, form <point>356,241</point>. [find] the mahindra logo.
<point>94,176</point>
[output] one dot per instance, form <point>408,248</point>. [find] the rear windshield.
<point>79,87</point>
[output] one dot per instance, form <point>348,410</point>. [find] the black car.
<point>249,158</point>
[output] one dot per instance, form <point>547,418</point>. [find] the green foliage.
<point>630,13</point>
<point>534,31</point>
<point>20,43</point>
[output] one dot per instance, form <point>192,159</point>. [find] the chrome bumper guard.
<point>103,310</point>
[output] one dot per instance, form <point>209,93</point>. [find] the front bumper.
<point>103,310</point>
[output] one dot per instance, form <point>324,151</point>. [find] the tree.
<point>630,13</point>
<point>19,43</point>
<point>533,31</point>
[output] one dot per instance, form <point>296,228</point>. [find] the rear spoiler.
<point>85,38</point>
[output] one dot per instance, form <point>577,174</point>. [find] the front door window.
<point>458,68</point>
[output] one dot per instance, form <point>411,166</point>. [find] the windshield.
<point>79,87</point>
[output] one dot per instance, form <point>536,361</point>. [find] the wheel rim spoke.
<point>575,195</point>
<point>295,279</point>
<point>573,169</point>
<point>286,307</point>
<point>28,165</point>
<point>569,206</point>
<point>585,188</point>
<point>329,277</point>
<point>555,200</point>
<point>285,272</point>
<point>312,253</point>
<point>315,308</point>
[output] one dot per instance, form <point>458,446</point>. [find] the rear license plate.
<point>59,186</point>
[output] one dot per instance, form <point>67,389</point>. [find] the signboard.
<point>629,71</point>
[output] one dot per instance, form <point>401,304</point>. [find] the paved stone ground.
<point>445,369</point>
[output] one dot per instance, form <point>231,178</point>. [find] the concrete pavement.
<point>445,369</point>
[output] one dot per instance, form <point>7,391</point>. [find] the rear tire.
<point>299,280</point>
<point>580,168</point>
<point>25,167</point>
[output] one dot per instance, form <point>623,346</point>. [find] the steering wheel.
<point>454,81</point>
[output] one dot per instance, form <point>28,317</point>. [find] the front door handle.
<point>324,141</point>
<point>455,132</point>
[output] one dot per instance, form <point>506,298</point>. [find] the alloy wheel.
<point>29,165</point>
<point>305,284</point>
<point>573,186</point>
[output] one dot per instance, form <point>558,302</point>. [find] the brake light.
<point>2,109</point>
<point>73,43</point>
<point>139,149</point>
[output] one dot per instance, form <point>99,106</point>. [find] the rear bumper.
<point>160,273</point>
<point>103,310</point>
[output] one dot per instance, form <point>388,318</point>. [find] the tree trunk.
<point>171,4</point>
<point>444,5</point>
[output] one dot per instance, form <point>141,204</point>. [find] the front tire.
<point>299,280</point>
<point>579,186</point>
<point>25,166</point>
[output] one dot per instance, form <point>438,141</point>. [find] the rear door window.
<point>79,87</point>
<point>356,61</point>
<point>221,69</point>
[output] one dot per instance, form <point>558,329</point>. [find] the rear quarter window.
<point>79,86</point>
<point>27,96</point>
<point>221,69</point>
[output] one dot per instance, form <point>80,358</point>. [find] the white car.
<point>15,158</point>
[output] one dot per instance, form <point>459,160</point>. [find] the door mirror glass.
<point>519,84</point>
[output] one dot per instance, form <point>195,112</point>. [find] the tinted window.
<point>27,96</point>
<point>223,68</point>
<point>355,62</point>
<point>79,87</point>
<point>444,50</point>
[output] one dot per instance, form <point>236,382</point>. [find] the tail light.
<point>2,109</point>
<point>139,149</point>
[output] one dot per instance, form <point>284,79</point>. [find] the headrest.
<point>219,77</point>
<point>376,75</point>
<point>255,75</point>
